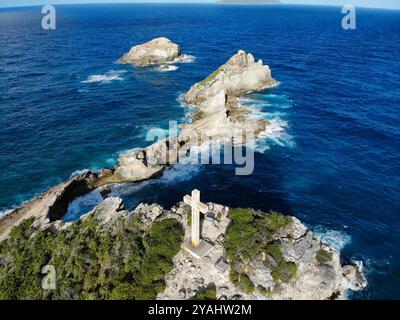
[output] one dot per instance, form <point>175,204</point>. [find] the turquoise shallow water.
<point>333,156</point>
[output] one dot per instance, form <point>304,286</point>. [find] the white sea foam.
<point>179,172</point>
<point>77,173</point>
<point>334,238</point>
<point>112,75</point>
<point>171,175</point>
<point>5,212</point>
<point>82,205</point>
<point>166,68</point>
<point>184,58</point>
<point>270,107</point>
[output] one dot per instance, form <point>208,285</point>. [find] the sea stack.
<point>157,51</point>
<point>241,74</point>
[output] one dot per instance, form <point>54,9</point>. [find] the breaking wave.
<point>334,238</point>
<point>270,107</point>
<point>5,212</point>
<point>82,205</point>
<point>184,58</point>
<point>166,68</point>
<point>112,75</point>
<point>77,173</point>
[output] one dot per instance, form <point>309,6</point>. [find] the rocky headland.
<point>111,253</point>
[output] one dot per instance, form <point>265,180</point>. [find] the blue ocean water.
<point>332,158</point>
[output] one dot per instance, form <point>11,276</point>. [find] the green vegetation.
<point>211,77</point>
<point>251,233</point>
<point>242,281</point>
<point>282,270</point>
<point>207,294</point>
<point>119,261</point>
<point>323,256</point>
<point>264,290</point>
<point>276,220</point>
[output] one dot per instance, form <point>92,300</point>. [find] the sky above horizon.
<point>387,4</point>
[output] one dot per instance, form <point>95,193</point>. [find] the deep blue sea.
<point>333,158</point>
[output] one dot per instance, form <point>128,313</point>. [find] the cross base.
<point>200,251</point>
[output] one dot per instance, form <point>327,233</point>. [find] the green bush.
<point>323,256</point>
<point>264,290</point>
<point>284,270</point>
<point>207,294</point>
<point>276,220</point>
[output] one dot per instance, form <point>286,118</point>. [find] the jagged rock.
<point>51,205</point>
<point>104,191</point>
<point>240,75</point>
<point>295,229</point>
<point>312,280</point>
<point>106,210</point>
<point>219,114</point>
<point>354,278</point>
<point>148,213</point>
<point>157,51</point>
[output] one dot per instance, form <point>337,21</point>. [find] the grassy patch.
<point>323,256</point>
<point>242,281</point>
<point>210,78</point>
<point>207,294</point>
<point>264,290</point>
<point>276,220</point>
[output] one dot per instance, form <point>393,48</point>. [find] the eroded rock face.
<point>219,115</point>
<point>314,280</point>
<point>51,205</point>
<point>240,75</point>
<point>157,51</point>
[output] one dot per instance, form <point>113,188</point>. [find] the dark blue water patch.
<point>336,167</point>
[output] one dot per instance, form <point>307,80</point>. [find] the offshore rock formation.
<point>218,115</point>
<point>157,51</point>
<point>240,75</point>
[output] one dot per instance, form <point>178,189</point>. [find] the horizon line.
<point>200,3</point>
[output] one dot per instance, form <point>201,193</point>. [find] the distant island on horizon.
<point>249,1</point>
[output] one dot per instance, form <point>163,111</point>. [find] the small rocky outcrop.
<point>157,51</point>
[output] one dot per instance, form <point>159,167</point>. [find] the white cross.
<point>197,207</point>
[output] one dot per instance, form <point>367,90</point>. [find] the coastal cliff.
<point>111,253</point>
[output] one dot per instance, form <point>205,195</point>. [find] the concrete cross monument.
<point>197,207</point>
<point>196,246</point>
